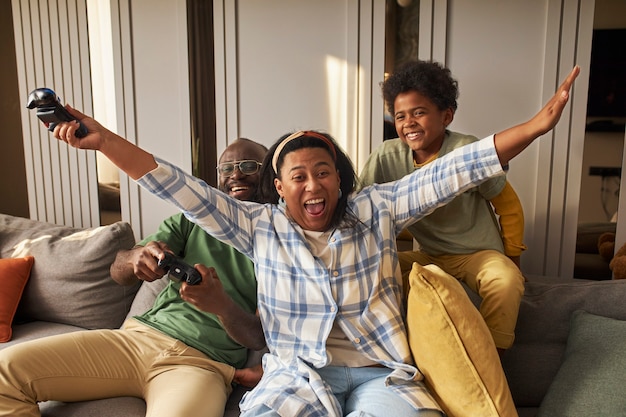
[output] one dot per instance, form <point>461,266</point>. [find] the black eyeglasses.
<point>247,167</point>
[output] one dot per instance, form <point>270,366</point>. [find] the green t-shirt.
<point>465,225</point>
<point>181,320</point>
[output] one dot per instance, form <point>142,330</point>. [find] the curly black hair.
<point>429,78</point>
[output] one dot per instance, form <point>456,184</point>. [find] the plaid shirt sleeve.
<point>227,219</point>
<point>419,194</point>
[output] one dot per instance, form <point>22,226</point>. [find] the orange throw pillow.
<point>14,273</point>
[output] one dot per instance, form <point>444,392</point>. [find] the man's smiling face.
<point>238,184</point>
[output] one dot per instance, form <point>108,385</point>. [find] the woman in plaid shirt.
<point>329,284</point>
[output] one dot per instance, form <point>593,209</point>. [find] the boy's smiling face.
<point>420,124</point>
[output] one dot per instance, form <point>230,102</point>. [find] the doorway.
<point>202,89</point>
<point>12,167</point>
<point>604,141</point>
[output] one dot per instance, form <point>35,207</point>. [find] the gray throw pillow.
<point>590,381</point>
<point>70,282</point>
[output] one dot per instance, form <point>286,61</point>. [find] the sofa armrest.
<point>543,327</point>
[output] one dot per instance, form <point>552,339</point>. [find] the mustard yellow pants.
<point>490,274</point>
<point>174,379</point>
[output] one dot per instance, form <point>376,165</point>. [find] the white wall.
<point>282,88</point>
<point>161,80</point>
<point>297,65</point>
<point>283,65</point>
<point>141,90</point>
<point>507,56</point>
<point>289,64</point>
<point>499,69</point>
<point>51,49</point>
<point>496,52</point>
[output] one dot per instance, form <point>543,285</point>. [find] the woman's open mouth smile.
<point>315,207</point>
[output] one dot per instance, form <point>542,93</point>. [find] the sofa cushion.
<point>145,297</point>
<point>70,281</point>
<point>590,380</point>
<point>14,273</point>
<point>109,407</point>
<point>453,347</point>
<point>543,327</point>
<point>36,330</point>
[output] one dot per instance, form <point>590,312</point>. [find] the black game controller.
<point>178,270</point>
<point>50,110</point>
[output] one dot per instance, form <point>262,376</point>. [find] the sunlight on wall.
<point>337,94</point>
<point>103,78</point>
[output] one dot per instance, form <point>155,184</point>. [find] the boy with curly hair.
<point>463,237</point>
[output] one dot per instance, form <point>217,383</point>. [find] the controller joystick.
<point>178,270</point>
<point>50,110</point>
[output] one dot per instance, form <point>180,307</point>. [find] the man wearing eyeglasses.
<point>238,169</point>
<point>223,339</point>
<point>190,345</point>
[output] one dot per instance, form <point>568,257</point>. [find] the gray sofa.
<point>542,331</point>
<point>70,289</point>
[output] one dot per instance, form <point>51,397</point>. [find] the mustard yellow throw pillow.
<point>14,273</point>
<point>453,348</point>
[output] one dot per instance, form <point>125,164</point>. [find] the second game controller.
<point>50,110</point>
<point>179,270</point>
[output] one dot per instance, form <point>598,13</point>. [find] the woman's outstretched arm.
<point>126,156</point>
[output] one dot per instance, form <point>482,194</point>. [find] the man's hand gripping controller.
<point>50,110</point>
<point>178,270</point>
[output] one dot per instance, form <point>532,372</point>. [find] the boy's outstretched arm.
<point>510,142</point>
<point>126,156</point>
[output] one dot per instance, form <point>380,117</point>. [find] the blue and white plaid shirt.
<point>300,297</point>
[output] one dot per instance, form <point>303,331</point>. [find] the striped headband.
<point>308,133</point>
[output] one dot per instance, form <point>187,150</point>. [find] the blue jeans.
<point>361,392</point>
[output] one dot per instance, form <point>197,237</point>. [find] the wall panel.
<point>52,51</point>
